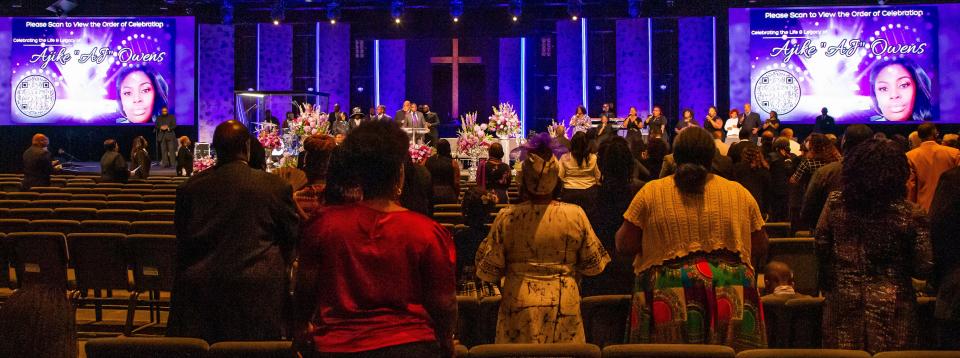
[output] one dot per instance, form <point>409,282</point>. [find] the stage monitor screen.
<point>96,71</point>
<point>865,64</point>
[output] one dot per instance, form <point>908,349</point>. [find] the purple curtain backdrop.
<point>569,70</point>
<point>510,72</point>
<point>216,64</point>
<point>633,65</point>
<point>5,45</point>
<point>334,63</point>
<point>697,64</point>
<point>393,74</point>
<point>275,43</point>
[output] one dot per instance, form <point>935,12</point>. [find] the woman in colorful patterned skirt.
<point>696,237</point>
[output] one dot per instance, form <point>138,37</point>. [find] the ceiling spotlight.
<point>397,20</point>
<point>63,7</point>
<point>277,12</point>
<point>333,22</point>
<point>515,8</point>
<point>574,8</point>
<point>333,11</point>
<point>515,19</point>
<point>456,9</point>
<point>396,8</point>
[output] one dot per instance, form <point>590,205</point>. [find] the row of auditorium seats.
<point>68,196</point>
<point>84,190</point>
<point>124,347</point>
<point>100,262</point>
<point>66,227</point>
<point>90,204</point>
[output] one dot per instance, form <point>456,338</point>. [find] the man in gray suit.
<point>236,231</point>
<point>750,123</point>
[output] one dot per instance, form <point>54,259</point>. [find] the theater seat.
<point>668,350</point>
<point>96,204</point>
<point>918,354</point>
<point>118,214</point>
<point>159,205</point>
<point>111,226</point>
<point>605,318</point>
<point>14,204</point>
<point>124,197</point>
<point>22,196</point>
<point>78,214</point>
<point>460,351</point>
<point>777,321</point>
<point>100,264</point>
<point>778,230</point>
<point>573,350</point>
<point>489,312</point>
<point>153,227</point>
<point>90,196</point>
<point>40,258</point>
<point>800,255</point>
<point>129,205</point>
<point>62,226</point>
<point>31,213</point>
<point>802,353</point>
<point>165,347</point>
<point>157,215</point>
<point>8,226</point>
<point>157,197</point>
<point>448,218</point>
<point>269,349</point>
<point>806,316</point>
<point>55,196</point>
<point>49,204</point>
<point>468,317</point>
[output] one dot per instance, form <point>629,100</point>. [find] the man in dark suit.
<point>737,148</point>
<point>38,163</point>
<point>945,236</point>
<point>113,168</point>
<point>825,124</point>
<point>338,121</point>
<point>403,115</point>
<point>381,114</point>
<point>432,121</point>
<point>166,137</point>
<point>750,123</point>
<point>236,232</point>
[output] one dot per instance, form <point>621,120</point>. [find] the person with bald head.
<point>404,114</point>
<point>38,163</point>
<point>236,230</point>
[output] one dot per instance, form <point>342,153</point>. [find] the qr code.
<point>35,96</point>
<point>777,90</point>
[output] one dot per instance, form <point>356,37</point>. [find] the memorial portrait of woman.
<point>901,91</point>
<point>141,93</point>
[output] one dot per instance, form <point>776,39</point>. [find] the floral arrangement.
<point>504,121</point>
<point>269,137</point>
<point>472,138</point>
<point>311,121</point>
<point>420,152</point>
<point>288,161</point>
<point>203,163</point>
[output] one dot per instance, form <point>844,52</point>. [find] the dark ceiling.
<point>368,11</point>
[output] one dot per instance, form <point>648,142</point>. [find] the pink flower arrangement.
<point>203,163</point>
<point>419,152</point>
<point>311,121</point>
<point>473,138</point>
<point>269,138</point>
<point>504,121</point>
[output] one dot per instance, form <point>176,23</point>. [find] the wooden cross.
<point>455,61</point>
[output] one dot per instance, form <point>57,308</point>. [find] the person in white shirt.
<point>580,174</point>
<point>732,126</point>
<point>794,145</point>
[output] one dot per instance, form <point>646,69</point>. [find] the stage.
<point>93,168</point>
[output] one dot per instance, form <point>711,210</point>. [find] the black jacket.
<point>113,168</point>
<point>37,167</point>
<point>236,231</point>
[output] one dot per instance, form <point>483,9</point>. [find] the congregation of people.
<point>671,212</point>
